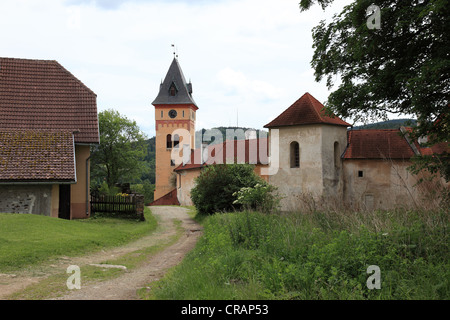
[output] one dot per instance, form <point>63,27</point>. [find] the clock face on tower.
<point>172,114</point>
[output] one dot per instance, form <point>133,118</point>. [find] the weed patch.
<point>250,255</point>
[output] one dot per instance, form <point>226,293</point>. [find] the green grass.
<point>55,285</point>
<point>316,256</point>
<point>27,240</point>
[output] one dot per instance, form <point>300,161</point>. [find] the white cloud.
<point>241,85</point>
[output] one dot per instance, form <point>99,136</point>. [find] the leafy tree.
<point>216,185</point>
<point>119,157</point>
<point>402,67</point>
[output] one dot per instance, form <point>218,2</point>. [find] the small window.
<point>360,174</point>
<point>176,141</point>
<point>172,163</point>
<point>169,141</point>
<point>162,114</point>
<point>173,91</point>
<point>337,156</point>
<point>295,155</point>
<point>183,113</point>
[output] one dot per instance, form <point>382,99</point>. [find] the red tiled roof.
<point>36,155</point>
<point>306,110</point>
<point>439,148</point>
<point>386,144</point>
<point>253,151</point>
<point>377,144</point>
<point>41,94</point>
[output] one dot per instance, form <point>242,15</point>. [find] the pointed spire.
<point>175,79</point>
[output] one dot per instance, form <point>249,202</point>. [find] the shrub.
<point>146,189</point>
<point>216,185</point>
<point>261,197</point>
<point>106,190</point>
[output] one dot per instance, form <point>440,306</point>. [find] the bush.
<point>216,185</point>
<point>261,197</point>
<point>105,190</point>
<point>146,189</point>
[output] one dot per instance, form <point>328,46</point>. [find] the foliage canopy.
<point>216,185</point>
<point>402,67</point>
<point>119,157</point>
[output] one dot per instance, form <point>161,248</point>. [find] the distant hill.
<point>390,124</point>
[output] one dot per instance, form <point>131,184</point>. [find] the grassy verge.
<point>55,285</point>
<point>27,240</point>
<point>317,256</point>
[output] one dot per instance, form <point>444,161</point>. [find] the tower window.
<point>162,114</point>
<point>295,155</point>
<point>176,141</point>
<point>360,174</point>
<point>337,156</point>
<point>173,89</point>
<point>169,141</point>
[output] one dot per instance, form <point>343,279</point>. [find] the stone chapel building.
<point>312,158</point>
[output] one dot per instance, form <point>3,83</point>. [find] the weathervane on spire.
<point>175,49</point>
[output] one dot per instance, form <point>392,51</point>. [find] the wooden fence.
<point>129,205</point>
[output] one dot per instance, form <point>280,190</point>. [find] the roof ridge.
<point>309,96</point>
<point>28,59</point>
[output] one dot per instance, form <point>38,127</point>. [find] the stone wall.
<point>380,184</point>
<point>27,199</point>
<point>307,178</point>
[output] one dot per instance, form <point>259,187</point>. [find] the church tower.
<point>174,109</point>
<point>310,147</point>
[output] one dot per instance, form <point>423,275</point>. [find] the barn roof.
<point>41,94</point>
<point>36,156</point>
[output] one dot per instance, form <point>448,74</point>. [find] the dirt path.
<point>125,286</point>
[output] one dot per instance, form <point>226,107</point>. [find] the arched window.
<point>176,141</point>
<point>295,155</point>
<point>337,156</point>
<point>169,141</point>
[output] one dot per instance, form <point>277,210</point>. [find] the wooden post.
<point>140,206</point>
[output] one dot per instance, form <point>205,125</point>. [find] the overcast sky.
<point>249,57</point>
